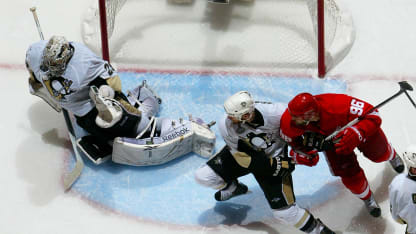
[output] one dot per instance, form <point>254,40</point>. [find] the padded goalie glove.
<point>347,140</point>
<point>309,158</point>
<point>109,110</point>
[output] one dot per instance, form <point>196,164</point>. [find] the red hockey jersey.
<point>335,111</point>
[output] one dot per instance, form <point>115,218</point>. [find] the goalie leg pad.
<point>176,138</point>
<point>204,140</point>
<point>145,99</point>
<point>96,149</point>
<point>154,150</point>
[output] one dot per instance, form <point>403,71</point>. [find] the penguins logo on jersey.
<point>260,141</point>
<point>58,87</point>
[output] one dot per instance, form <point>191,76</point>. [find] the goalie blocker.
<point>176,138</point>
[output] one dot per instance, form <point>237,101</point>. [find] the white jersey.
<point>264,137</point>
<point>71,90</point>
<point>402,193</point>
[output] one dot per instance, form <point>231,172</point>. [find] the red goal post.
<point>330,27</point>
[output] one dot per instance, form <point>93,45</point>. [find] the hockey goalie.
<point>154,140</point>
<point>67,75</point>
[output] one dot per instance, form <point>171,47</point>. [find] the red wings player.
<point>309,119</point>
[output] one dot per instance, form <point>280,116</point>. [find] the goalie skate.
<point>98,151</point>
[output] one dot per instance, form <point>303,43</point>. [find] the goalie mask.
<point>303,108</point>
<point>239,104</point>
<point>409,157</point>
<point>56,56</point>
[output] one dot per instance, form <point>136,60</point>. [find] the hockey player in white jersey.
<point>402,193</point>
<point>251,133</point>
<point>68,75</point>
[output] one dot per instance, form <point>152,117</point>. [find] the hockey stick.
<point>70,178</point>
<point>404,87</point>
<point>410,99</point>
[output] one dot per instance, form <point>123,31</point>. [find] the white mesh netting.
<point>263,34</point>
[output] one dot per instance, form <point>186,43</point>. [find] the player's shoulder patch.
<point>414,198</point>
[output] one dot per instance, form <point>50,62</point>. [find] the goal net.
<point>276,35</point>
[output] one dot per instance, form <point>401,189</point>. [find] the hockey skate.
<point>231,190</point>
<point>372,207</point>
<point>397,164</point>
<point>96,149</point>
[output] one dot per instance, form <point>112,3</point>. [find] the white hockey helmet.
<point>56,55</point>
<point>409,156</point>
<point>239,104</point>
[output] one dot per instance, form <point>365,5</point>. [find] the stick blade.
<point>70,178</point>
<point>405,86</point>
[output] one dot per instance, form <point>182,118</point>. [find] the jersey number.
<point>110,70</point>
<point>356,107</point>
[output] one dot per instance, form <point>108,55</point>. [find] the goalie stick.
<point>404,87</point>
<point>70,178</point>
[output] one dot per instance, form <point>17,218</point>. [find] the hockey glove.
<point>316,141</point>
<point>347,140</point>
<point>283,166</point>
<point>309,158</point>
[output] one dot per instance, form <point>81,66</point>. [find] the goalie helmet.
<point>302,104</point>
<point>56,55</point>
<point>409,156</point>
<point>239,104</point>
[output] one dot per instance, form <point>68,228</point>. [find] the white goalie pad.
<point>203,140</point>
<point>186,137</point>
<point>146,100</point>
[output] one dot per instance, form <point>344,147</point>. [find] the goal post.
<point>103,30</point>
<point>310,34</point>
<point>321,38</point>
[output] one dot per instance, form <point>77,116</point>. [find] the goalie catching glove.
<point>109,110</point>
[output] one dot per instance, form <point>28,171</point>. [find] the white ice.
<point>35,142</point>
